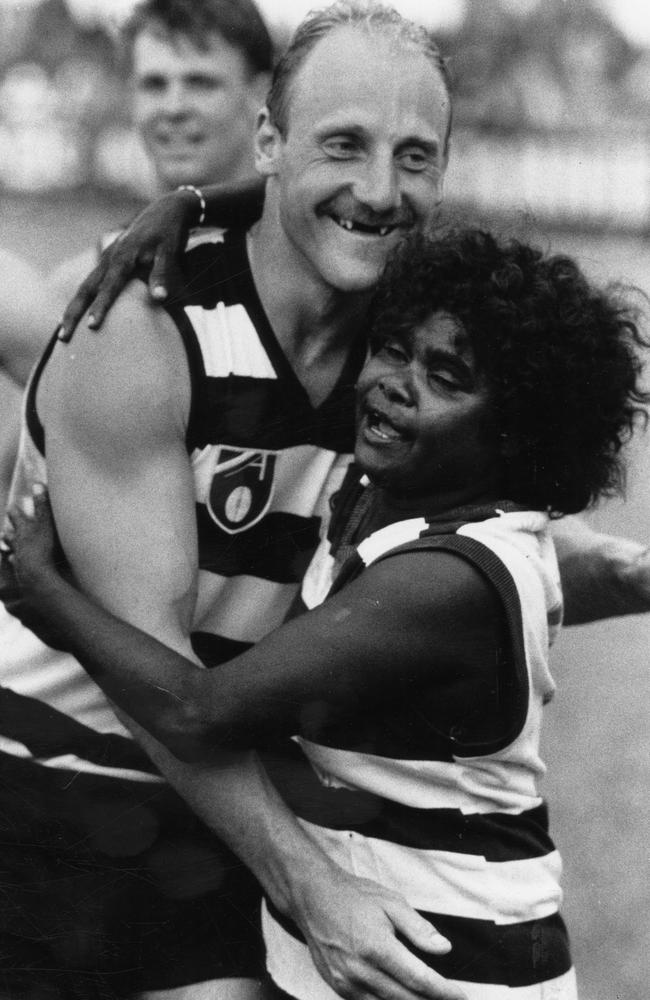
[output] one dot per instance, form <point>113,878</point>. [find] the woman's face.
<point>425,426</point>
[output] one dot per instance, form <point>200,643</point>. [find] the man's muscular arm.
<point>115,409</point>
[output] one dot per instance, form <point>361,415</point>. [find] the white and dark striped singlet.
<point>456,827</point>
<point>265,464</point>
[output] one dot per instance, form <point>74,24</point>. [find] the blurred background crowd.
<point>556,90</point>
<point>551,136</point>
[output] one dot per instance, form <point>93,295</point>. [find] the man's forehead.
<point>156,41</point>
<point>354,74</point>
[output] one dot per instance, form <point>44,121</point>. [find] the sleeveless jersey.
<point>265,464</point>
<point>456,826</point>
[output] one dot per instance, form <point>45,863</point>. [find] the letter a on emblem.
<point>241,488</point>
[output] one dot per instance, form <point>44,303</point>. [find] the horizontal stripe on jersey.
<point>455,825</point>
<point>512,955</point>
<point>47,732</point>
<point>265,463</point>
<point>246,412</point>
<point>226,606</point>
<point>455,881</point>
<point>277,548</point>
<point>496,836</point>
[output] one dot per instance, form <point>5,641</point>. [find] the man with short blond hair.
<point>190,456</point>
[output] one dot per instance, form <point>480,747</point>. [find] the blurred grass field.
<point>597,741</point>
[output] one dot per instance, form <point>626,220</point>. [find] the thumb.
<point>416,931</point>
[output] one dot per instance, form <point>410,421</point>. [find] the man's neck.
<point>316,326</point>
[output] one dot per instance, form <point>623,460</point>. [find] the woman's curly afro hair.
<point>562,358</point>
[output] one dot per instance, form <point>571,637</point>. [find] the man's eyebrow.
<point>340,127</point>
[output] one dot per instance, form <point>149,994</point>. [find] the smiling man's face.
<point>363,157</point>
<point>195,109</point>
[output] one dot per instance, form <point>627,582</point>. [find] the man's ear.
<point>268,145</point>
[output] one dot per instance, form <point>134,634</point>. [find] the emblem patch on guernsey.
<point>241,488</point>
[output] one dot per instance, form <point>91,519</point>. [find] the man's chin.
<point>172,173</point>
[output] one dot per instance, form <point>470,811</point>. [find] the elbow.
<point>185,732</point>
<point>193,735</point>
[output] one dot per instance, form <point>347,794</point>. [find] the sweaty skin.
<point>118,441</point>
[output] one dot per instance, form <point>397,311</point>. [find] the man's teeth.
<point>350,227</point>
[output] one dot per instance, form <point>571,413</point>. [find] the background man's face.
<point>363,157</point>
<point>195,109</point>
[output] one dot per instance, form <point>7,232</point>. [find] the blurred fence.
<point>581,179</point>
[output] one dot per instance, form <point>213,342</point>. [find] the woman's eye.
<point>392,351</point>
<point>449,379</point>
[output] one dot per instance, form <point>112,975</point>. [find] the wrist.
<point>195,198</point>
<point>305,869</point>
<point>40,580</point>
<point>288,865</point>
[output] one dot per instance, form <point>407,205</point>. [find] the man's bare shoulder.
<point>130,376</point>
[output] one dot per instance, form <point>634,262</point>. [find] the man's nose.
<point>175,99</point>
<point>377,185</point>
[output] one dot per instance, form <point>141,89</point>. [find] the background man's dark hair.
<point>561,357</point>
<point>370,17</point>
<point>238,22</point>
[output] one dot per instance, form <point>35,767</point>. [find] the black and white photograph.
<point>324,489</point>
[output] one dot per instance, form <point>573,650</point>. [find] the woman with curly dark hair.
<point>556,351</point>
<point>499,392</point>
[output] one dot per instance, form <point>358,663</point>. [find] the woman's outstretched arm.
<point>347,656</point>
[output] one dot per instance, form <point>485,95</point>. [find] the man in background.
<point>199,72</point>
<point>190,456</point>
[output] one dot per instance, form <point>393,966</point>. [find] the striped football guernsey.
<point>265,464</point>
<point>456,826</point>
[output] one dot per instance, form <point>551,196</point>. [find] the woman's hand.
<point>31,540</point>
<point>33,567</point>
<point>155,241</point>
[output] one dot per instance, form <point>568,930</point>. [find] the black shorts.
<point>110,887</point>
